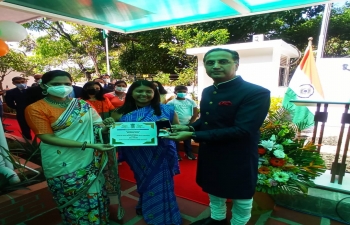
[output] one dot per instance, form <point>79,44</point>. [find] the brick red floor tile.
<point>185,222</point>
<point>142,222</point>
<point>253,219</point>
<point>271,221</point>
<point>129,207</point>
<point>135,193</point>
<point>295,216</point>
<point>51,218</point>
<point>126,185</point>
<point>190,208</point>
<point>333,222</point>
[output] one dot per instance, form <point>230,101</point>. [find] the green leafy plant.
<point>32,149</point>
<point>287,164</point>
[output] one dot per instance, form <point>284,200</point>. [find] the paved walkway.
<point>268,214</point>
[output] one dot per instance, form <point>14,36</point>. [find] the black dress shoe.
<point>210,221</point>
<point>190,156</point>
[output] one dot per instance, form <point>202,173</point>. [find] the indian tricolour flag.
<point>304,85</point>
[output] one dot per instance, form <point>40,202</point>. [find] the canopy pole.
<point>133,59</point>
<point>323,33</point>
<point>107,52</point>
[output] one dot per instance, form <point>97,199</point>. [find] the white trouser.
<point>241,209</point>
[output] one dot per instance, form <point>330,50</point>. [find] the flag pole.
<point>323,32</point>
<point>310,41</point>
<point>107,52</point>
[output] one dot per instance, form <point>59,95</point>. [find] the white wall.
<point>258,67</point>
<point>8,80</point>
<point>335,81</point>
<point>335,84</point>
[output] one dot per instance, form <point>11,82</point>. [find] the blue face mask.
<point>21,86</point>
<point>181,95</point>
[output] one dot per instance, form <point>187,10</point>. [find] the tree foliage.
<point>67,43</point>
<point>159,53</point>
<point>140,53</point>
<point>15,61</point>
<point>163,51</point>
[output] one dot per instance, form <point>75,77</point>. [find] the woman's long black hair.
<point>130,104</point>
<point>161,89</point>
<point>98,95</point>
<point>48,76</point>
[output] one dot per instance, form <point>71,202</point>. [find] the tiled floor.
<point>264,213</point>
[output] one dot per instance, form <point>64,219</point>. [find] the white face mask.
<point>61,91</point>
<point>107,80</point>
<point>120,89</point>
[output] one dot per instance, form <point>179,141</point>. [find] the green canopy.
<point>128,16</point>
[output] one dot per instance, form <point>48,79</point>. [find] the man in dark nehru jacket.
<point>232,111</point>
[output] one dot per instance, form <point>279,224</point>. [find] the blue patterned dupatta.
<point>154,168</point>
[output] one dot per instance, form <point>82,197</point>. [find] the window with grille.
<point>283,78</point>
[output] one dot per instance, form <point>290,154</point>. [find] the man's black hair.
<point>180,88</point>
<point>234,54</point>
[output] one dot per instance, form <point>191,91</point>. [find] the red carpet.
<point>13,126</point>
<point>185,183</point>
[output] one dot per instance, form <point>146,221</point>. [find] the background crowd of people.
<point>81,166</point>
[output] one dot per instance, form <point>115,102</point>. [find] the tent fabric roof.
<point>9,14</point>
<point>128,16</point>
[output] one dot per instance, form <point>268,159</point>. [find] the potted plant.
<point>9,163</point>
<point>287,164</point>
<point>28,196</point>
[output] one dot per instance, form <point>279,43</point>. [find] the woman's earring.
<point>44,92</point>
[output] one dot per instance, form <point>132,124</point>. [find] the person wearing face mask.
<point>93,94</point>
<point>187,112</point>
<point>117,97</point>
<point>107,82</point>
<point>73,161</point>
<point>161,90</point>
<point>37,80</point>
<point>15,98</point>
<point>105,87</point>
<point>34,94</point>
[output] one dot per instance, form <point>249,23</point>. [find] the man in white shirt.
<point>187,111</point>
